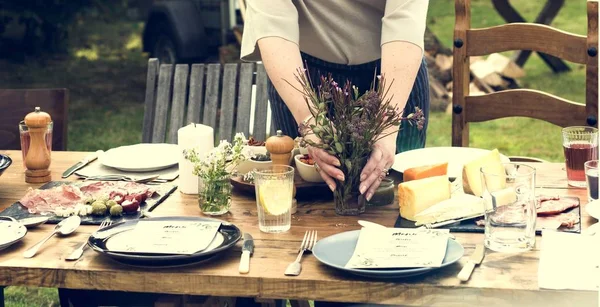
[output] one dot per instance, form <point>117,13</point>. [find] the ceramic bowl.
<point>5,162</point>
<point>306,171</point>
<point>250,165</point>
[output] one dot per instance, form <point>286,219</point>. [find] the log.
<point>505,66</point>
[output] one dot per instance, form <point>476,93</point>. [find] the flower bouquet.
<point>214,170</point>
<point>348,125</point>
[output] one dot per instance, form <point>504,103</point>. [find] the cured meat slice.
<point>47,201</point>
<point>568,219</point>
<point>117,189</point>
<point>555,206</point>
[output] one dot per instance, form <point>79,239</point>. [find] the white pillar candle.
<point>200,137</point>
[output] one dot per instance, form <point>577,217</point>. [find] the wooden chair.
<point>521,102</point>
<point>15,104</point>
<point>220,96</point>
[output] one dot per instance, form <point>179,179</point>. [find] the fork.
<point>308,243</point>
<point>76,254</point>
<point>147,179</point>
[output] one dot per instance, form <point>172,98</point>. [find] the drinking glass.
<point>510,212</point>
<point>274,192</point>
<point>26,139</point>
<point>591,177</point>
<point>580,145</point>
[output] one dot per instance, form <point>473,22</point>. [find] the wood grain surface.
<point>501,280</point>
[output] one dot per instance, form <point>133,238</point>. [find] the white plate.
<point>593,209</point>
<point>11,233</point>
<point>455,156</point>
<point>141,157</point>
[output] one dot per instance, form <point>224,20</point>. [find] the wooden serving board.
<point>304,189</point>
<point>18,211</point>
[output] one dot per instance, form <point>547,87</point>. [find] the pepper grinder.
<point>280,147</point>
<point>37,160</point>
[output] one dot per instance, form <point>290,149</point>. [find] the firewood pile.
<point>494,73</point>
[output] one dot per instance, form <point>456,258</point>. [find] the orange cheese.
<point>426,171</point>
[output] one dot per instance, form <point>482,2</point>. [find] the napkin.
<point>569,261</point>
<point>98,169</point>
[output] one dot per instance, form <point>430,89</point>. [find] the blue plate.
<point>335,251</point>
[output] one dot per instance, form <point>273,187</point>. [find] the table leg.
<point>547,14</point>
<point>1,296</point>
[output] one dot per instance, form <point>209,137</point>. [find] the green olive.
<point>116,210</point>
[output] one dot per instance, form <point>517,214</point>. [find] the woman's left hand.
<point>380,161</point>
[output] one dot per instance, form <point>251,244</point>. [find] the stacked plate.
<point>107,240</point>
<point>11,232</point>
<point>141,157</point>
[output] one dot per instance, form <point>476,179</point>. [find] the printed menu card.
<point>166,237</point>
<point>380,248</point>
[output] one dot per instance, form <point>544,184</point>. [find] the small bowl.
<point>307,172</point>
<point>5,162</point>
<point>250,165</point>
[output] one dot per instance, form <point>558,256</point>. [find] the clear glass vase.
<point>214,195</point>
<point>347,197</point>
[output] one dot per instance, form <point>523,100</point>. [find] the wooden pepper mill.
<point>280,147</point>
<point>37,160</point>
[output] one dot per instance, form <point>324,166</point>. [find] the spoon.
<point>65,227</point>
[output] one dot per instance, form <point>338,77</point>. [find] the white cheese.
<point>471,175</point>
<point>458,206</point>
<point>504,197</point>
<point>417,195</point>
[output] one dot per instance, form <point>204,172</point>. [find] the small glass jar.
<point>384,195</point>
<point>214,195</point>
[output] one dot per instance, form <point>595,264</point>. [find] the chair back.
<point>16,103</point>
<point>219,96</point>
<point>521,102</point>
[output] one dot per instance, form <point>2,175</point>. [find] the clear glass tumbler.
<point>580,144</point>
<point>274,192</point>
<point>591,178</point>
<point>26,139</point>
<point>510,207</point>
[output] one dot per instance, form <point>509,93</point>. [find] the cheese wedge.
<point>459,206</point>
<point>506,196</point>
<point>418,195</point>
<point>426,171</point>
<point>471,175</point>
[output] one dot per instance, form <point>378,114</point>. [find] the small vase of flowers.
<point>348,124</point>
<point>214,170</point>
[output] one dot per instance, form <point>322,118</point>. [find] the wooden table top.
<point>501,280</point>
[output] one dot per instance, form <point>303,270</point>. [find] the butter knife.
<point>448,222</point>
<point>81,164</point>
<point>475,259</point>
<point>247,250</point>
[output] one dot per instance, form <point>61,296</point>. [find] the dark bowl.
<point>5,162</point>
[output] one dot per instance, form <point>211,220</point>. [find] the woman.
<point>350,39</point>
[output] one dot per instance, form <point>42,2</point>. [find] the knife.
<point>448,222</point>
<point>247,250</point>
<point>81,164</point>
<point>476,258</point>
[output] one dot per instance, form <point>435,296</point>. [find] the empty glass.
<point>591,178</point>
<point>274,192</point>
<point>510,212</point>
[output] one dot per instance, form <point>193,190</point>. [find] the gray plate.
<point>335,251</point>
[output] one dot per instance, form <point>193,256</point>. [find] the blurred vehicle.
<point>184,31</point>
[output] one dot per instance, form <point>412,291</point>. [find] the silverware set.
<point>146,179</point>
<point>308,243</point>
<point>76,254</point>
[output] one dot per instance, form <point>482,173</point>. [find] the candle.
<point>201,138</point>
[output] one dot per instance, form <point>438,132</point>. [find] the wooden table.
<point>546,16</point>
<point>502,279</point>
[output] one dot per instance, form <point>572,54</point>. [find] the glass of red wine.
<point>580,144</point>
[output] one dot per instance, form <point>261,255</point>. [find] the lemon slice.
<point>275,197</point>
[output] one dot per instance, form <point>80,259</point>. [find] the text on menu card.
<point>379,248</point>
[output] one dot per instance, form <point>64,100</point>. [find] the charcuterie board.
<point>18,211</point>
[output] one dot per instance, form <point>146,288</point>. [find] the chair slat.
<point>228,102</point>
<point>196,101</point>
<point>149,101</point>
<point>244,98</point>
<point>180,87</point>
<point>260,109</point>
<point>211,101</point>
<point>163,99</point>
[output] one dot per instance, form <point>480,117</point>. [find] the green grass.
<point>105,72</point>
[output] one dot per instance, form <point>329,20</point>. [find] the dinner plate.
<point>593,209</point>
<point>111,236</point>
<point>141,157</point>
<point>335,251</point>
<point>455,156</point>
<point>10,233</point>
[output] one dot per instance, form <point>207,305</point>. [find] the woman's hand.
<point>382,158</point>
<point>326,164</point>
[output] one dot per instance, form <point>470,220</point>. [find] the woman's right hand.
<point>326,164</point>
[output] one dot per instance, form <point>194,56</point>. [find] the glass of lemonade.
<point>274,192</point>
